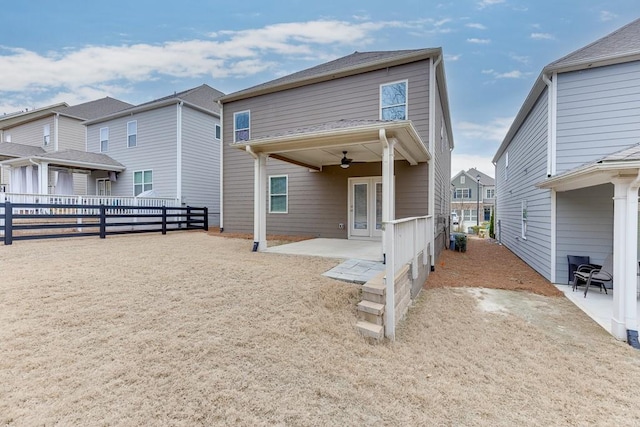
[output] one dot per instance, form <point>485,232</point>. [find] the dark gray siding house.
<point>568,171</point>
<point>321,134</point>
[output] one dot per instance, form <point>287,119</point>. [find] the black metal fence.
<point>29,221</point>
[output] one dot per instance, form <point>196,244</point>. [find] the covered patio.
<point>622,171</point>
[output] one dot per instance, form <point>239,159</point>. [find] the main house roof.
<point>620,46</point>
<point>473,173</point>
<point>93,109</point>
<point>203,98</point>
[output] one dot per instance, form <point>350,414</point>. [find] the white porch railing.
<point>56,199</point>
<point>405,239</point>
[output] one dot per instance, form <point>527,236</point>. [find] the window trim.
<point>106,129</point>
<point>46,135</point>
<point>462,196</point>
<point>132,134</point>
<point>235,130</point>
<point>486,193</point>
<point>406,98</point>
<point>525,219</point>
<point>217,134</point>
<point>142,171</point>
<point>286,194</point>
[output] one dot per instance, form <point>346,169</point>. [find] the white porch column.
<point>260,202</point>
<point>631,264</point>
<point>388,199</point>
<point>43,177</point>
<point>618,323</point>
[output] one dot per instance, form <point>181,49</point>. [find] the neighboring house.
<point>170,148</point>
<point>568,170</point>
<point>309,153</point>
<point>472,192</point>
<point>42,151</point>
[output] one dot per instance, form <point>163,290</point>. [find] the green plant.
<point>492,232</point>
<point>461,242</point>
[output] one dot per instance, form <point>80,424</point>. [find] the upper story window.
<point>506,166</point>
<point>104,140</point>
<point>462,179</point>
<point>218,132</point>
<point>490,193</point>
<point>46,134</point>
<point>241,126</point>
<point>132,134</point>
<point>462,193</point>
<point>393,101</point>
<point>7,137</point>
<point>142,181</point>
<point>525,217</point>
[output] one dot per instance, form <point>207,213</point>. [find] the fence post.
<point>164,219</point>
<point>103,221</point>
<point>390,271</point>
<point>206,218</point>
<point>8,223</point>
<point>188,217</point>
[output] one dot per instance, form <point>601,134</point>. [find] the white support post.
<point>414,239</point>
<point>427,239</point>
<point>43,177</point>
<point>631,266</point>
<point>388,191</point>
<point>260,202</point>
<point>618,327</point>
<point>390,286</point>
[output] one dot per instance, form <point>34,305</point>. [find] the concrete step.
<point>367,296</point>
<point>374,288</point>
<point>374,308</point>
<point>370,330</point>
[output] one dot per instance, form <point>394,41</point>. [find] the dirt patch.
<point>486,264</point>
<point>189,329</point>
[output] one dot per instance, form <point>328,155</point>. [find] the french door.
<point>365,208</point>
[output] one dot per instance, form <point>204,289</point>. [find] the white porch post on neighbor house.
<point>620,213</point>
<point>259,200</point>
<point>631,278</point>
<point>43,177</point>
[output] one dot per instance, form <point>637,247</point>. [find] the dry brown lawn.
<point>193,329</point>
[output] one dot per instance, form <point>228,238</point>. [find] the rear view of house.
<point>322,134</point>
<point>568,171</point>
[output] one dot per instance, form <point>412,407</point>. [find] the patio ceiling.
<point>323,145</point>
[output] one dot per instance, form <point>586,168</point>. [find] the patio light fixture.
<point>478,202</point>
<point>345,163</point>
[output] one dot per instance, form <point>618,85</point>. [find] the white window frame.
<point>462,179</point>
<point>106,184</point>
<point>104,142</point>
<point>134,134</point>
<point>525,219</point>
<point>462,192</point>
<point>143,182</point>
<point>286,194</point>
<point>7,137</point>
<point>506,166</point>
<point>235,130</point>
<point>218,132</point>
<point>46,134</point>
<point>493,193</point>
<point>406,98</point>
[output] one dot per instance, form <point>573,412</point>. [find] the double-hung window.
<point>278,194</point>
<point>525,215</point>
<point>393,101</point>
<point>132,133</point>
<point>491,193</point>
<point>104,140</point>
<point>218,133</point>
<point>46,134</point>
<point>462,193</point>
<point>241,126</point>
<point>142,181</point>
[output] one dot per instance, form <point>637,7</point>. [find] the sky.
<point>138,50</point>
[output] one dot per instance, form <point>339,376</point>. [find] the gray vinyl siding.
<point>598,112</point>
<point>156,150</point>
<point>31,133</point>
<point>318,200</point>
<point>584,226</point>
<point>71,134</point>
<point>442,176</point>
<point>201,162</point>
<point>527,153</point>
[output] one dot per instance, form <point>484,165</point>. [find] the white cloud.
<point>465,162</point>
<point>224,54</point>
<point>542,36</point>
<point>476,25</point>
<point>451,58</point>
<point>484,3</point>
<point>494,131</point>
<point>522,59</point>
<point>605,15</point>
<point>515,74</point>
<point>479,41</point>
<point>489,71</point>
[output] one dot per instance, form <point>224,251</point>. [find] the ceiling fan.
<point>345,163</point>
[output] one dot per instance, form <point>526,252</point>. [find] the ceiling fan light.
<point>344,165</point>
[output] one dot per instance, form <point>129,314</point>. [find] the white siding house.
<point>568,170</point>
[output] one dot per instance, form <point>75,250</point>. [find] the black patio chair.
<point>593,274</point>
<point>575,261</point>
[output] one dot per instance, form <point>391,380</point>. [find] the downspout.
<point>179,153</point>
<point>221,165</point>
<point>551,166</point>
<point>56,121</point>
<point>432,134</point>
